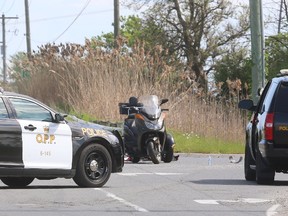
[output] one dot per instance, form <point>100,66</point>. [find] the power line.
<point>87,3</point>
<point>69,15</point>
<point>2,6</point>
<point>11,6</point>
<point>45,19</point>
<point>20,44</point>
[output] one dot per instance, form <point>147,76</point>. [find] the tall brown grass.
<point>85,79</point>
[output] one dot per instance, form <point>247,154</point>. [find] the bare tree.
<point>197,31</point>
<point>283,16</point>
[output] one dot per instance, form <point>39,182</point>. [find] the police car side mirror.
<point>247,105</point>
<point>59,117</point>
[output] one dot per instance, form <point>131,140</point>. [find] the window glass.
<point>267,104</point>
<point>3,110</point>
<point>31,111</point>
<point>262,97</point>
<point>281,103</point>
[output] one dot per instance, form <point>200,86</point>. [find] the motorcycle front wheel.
<point>168,155</point>
<point>153,152</point>
<point>135,159</point>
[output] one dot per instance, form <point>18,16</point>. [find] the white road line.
<point>133,174</point>
<point>123,201</point>
<point>255,200</point>
<point>244,200</point>
<point>167,174</point>
<point>161,174</point>
<point>207,202</point>
<point>272,210</point>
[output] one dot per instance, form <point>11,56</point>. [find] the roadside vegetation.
<point>90,82</point>
<point>204,73</point>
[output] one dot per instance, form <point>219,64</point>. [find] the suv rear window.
<point>281,103</point>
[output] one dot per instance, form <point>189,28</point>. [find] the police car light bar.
<point>284,72</point>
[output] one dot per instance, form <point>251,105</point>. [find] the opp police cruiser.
<point>37,142</point>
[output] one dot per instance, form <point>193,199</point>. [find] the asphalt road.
<point>189,186</point>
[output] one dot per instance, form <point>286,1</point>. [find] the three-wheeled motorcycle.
<point>144,132</point>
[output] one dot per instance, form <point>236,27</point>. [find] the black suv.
<point>266,150</point>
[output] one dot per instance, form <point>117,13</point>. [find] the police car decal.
<point>46,145</point>
<point>93,132</point>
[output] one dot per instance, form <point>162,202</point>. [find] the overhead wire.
<point>14,24</point>
<point>3,4</point>
<point>65,16</point>
<point>85,6</point>
<point>17,21</point>
<point>11,6</point>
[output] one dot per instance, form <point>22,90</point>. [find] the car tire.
<point>17,182</point>
<point>264,173</point>
<point>94,167</point>
<point>250,174</point>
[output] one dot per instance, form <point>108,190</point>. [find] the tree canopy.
<point>276,54</point>
<point>196,32</point>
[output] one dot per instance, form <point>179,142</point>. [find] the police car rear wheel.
<point>94,167</point>
<point>17,181</point>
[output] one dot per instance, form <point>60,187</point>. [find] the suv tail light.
<point>269,123</point>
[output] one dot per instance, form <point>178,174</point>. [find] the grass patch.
<point>186,143</point>
<point>90,82</point>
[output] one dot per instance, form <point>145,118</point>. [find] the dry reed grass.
<point>90,80</point>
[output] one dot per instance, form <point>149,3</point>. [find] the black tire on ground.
<point>250,174</point>
<point>264,173</point>
<point>168,155</point>
<point>153,153</point>
<point>17,182</point>
<point>135,159</point>
<point>94,166</point>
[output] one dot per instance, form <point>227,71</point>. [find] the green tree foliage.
<point>197,31</point>
<point>276,54</point>
<point>133,31</point>
<point>236,65</point>
<point>17,71</point>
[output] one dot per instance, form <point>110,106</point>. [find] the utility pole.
<point>257,47</point>
<point>116,21</point>
<point>280,17</point>
<point>28,38</point>
<point>4,46</point>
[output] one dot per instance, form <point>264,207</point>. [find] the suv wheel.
<point>264,173</point>
<point>250,174</point>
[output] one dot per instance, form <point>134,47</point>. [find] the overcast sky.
<point>50,21</point>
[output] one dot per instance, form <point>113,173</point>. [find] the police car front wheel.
<point>17,181</point>
<point>94,166</point>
